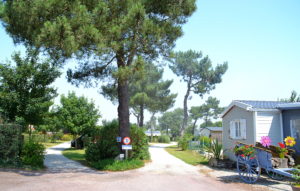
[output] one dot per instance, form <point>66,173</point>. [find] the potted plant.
<point>296,176</point>
<point>245,151</point>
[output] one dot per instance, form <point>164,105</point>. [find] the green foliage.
<point>198,73</point>
<point>106,145</point>
<point>101,34</point>
<point>148,92</point>
<point>294,97</point>
<point>139,143</point>
<point>67,137</point>
<point>188,156</point>
<point>211,124</point>
<point>77,114</point>
<point>296,175</point>
<point>115,165</point>
<point>164,139</point>
<point>25,89</point>
<point>170,122</point>
<point>215,148</point>
<point>244,150</point>
<point>33,154</point>
<point>10,144</point>
<point>204,140</point>
<point>184,141</point>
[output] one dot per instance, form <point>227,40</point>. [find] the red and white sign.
<point>126,141</point>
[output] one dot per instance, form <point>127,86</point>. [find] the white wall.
<point>268,124</point>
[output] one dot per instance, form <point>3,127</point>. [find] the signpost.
<point>126,146</point>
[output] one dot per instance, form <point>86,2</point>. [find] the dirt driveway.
<point>164,173</point>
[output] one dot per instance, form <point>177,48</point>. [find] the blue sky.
<point>260,40</point>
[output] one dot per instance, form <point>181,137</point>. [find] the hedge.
<point>10,143</point>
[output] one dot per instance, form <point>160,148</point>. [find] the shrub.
<point>139,143</point>
<point>107,146</point>
<point>164,139</point>
<point>33,154</point>
<point>204,140</point>
<point>184,141</point>
<point>67,137</point>
<point>296,175</point>
<point>10,143</point>
<point>216,149</point>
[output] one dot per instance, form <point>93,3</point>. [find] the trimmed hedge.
<point>164,139</point>
<point>10,143</point>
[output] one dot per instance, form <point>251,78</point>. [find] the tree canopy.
<point>77,114</point>
<point>198,74</point>
<point>25,88</point>
<point>170,122</point>
<point>147,91</point>
<point>293,98</point>
<point>102,34</point>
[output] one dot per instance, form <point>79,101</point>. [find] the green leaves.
<point>197,71</point>
<point>25,88</point>
<point>77,114</point>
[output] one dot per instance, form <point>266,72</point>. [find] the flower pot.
<point>280,162</point>
<point>296,187</point>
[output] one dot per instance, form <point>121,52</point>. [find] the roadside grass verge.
<point>105,164</point>
<point>188,156</point>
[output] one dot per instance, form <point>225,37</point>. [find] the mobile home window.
<point>295,128</point>
<point>238,132</point>
<point>238,129</point>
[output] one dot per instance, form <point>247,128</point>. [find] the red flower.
<point>281,145</point>
<point>252,158</point>
<point>242,155</point>
<point>246,146</point>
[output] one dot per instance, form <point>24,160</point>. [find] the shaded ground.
<point>164,173</point>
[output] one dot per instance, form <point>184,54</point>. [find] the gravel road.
<point>164,173</point>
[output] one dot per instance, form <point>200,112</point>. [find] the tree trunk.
<point>141,121</point>
<point>185,108</point>
<point>123,108</point>
<point>194,126</point>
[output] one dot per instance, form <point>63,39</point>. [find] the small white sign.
<point>126,147</point>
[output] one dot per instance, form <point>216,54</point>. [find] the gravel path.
<point>56,162</point>
<point>164,163</point>
<point>164,173</point>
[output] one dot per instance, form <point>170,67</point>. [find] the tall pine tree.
<point>101,34</point>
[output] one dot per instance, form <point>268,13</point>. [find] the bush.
<point>10,143</point>
<point>164,139</point>
<point>107,147</point>
<point>139,143</point>
<point>215,148</point>
<point>204,140</point>
<point>67,137</point>
<point>56,136</point>
<point>184,141</point>
<point>33,154</point>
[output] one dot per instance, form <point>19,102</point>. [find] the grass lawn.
<point>106,164</point>
<point>48,144</point>
<point>188,156</point>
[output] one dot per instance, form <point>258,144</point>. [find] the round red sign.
<point>126,140</point>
